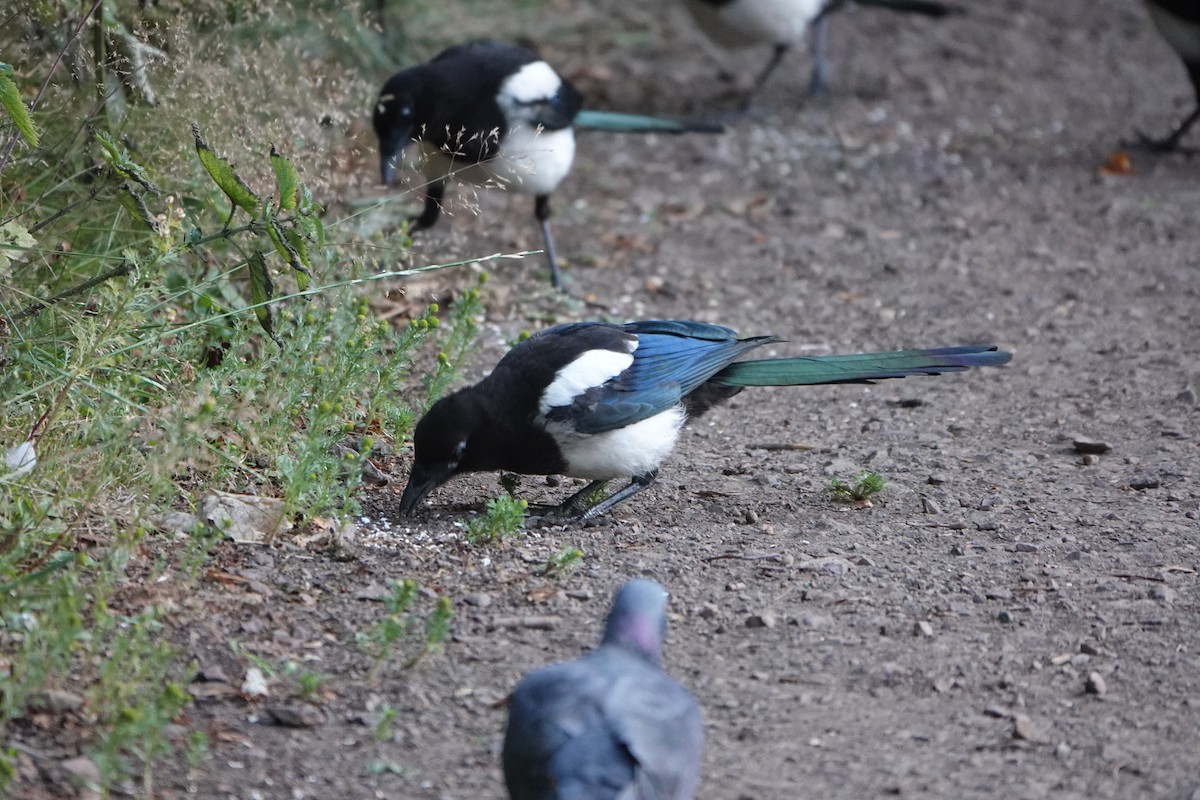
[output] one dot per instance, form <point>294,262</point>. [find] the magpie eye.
<point>460,448</point>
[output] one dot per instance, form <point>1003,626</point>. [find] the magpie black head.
<point>440,444</point>
<point>394,116</point>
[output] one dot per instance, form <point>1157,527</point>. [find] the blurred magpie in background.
<point>492,112</point>
<point>1179,23</point>
<point>609,724</point>
<point>599,401</point>
<point>783,23</point>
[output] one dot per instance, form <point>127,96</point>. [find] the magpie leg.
<point>636,485</point>
<point>433,207</point>
<point>776,56</point>
<point>574,505</point>
<point>1170,143</point>
<point>541,210</point>
<point>818,84</point>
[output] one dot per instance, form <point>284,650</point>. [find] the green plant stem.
<point>41,305</point>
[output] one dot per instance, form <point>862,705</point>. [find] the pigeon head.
<point>441,445</point>
<point>395,117</point>
<point>638,619</point>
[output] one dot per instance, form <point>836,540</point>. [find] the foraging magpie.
<point>599,401</point>
<point>611,723</point>
<point>492,112</point>
<point>1179,23</point>
<point>782,23</point>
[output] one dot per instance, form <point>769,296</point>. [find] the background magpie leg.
<point>541,210</point>
<point>818,84</point>
<point>776,57</point>
<point>638,483</point>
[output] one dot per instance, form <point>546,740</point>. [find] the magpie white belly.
<point>749,22</point>
<point>633,450</point>
<point>531,162</point>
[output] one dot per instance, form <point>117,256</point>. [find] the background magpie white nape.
<point>1179,23</point>
<point>488,112</point>
<point>599,401</point>
<point>482,111</point>
<point>610,723</point>
<point>782,24</point>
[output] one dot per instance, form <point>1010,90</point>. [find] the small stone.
<point>923,628</point>
<point>55,701</point>
<point>1143,482</point>
<point>1025,729</point>
<point>751,516</point>
<point>1095,684</point>
<point>1025,547</point>
<point>708,611</point>
<point>1005,616</point>
<point>764,619</point>
<point>295,716</point>
<point>1163,594</point>
<point>996,712</point>
<point>930,506</point>
<point>83,769</point>
<point>1188,395</point>
<point>255,684</point>
<point>936,479</point>
<point>1090,446</point>
<point>478,599</point>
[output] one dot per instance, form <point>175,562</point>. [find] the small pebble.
<point>765,619</point>
<point>923,628</point>
<point>1091,446</point>
<point>1143,482</point>
<point>1026,547</point>
<point>1095,684</point>
<point>1005,616</point>
<point>936,479</point>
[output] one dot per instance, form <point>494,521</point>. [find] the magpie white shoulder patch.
<point>535,81</point>
<point>592,368</point>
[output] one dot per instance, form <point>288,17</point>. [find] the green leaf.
<point>225,176</point>
<point>286,180</point>
<point>121,163</point>
<point>10,98</point>
<point>137,209</point>
<point>261,292</point>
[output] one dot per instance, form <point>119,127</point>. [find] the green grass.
<point>504,518</point>
<point>858,490</point>
<point>173,324</point>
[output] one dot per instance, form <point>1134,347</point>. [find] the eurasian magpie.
<point>611,723</point>
<point>783,23</point>
<point>1179,23</point>
<point>492,112</point>
<point>599,401</point>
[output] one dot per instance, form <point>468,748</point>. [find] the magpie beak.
<point>391,149</point>
<point>421,482</point>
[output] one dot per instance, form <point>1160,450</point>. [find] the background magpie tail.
<point>862,368</point>
<point>620,122</point>
<point>925,7</point>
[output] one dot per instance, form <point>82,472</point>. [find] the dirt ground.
<point>939,644</point>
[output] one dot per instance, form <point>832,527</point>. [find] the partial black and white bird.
<point>601,401</point>
<point>1179,23</point>
<point>782,24</point>
<point>493,113</point>
<point>610,725</point>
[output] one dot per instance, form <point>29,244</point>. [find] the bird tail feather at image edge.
<point>622,122</point>
<point>858,368</point>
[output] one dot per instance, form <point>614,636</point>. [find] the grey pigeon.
<point>609,725</point>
